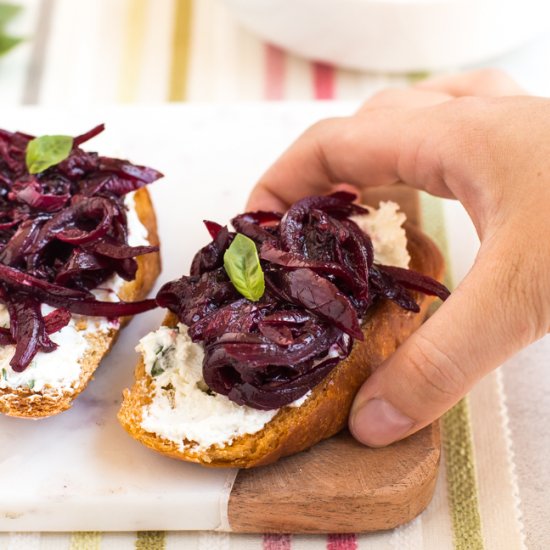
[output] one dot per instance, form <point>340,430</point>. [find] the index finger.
<point>379,148</point>
<point>483,82</point>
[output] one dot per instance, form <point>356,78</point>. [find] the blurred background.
<point>74,52</point>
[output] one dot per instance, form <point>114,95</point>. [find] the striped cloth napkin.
<point>127,51</point>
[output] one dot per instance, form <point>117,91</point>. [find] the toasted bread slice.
<point>325,412</point>
<point>24,402</point>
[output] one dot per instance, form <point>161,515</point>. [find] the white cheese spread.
<point>384,227</point>
<point>183,410</point>
<point>60,369</point>
<point>137,232</point>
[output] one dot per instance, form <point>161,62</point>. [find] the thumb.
<point>488,317</point>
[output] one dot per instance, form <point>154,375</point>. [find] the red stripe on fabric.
<point>276,542</point>
<point>323,81</point>
<point>341,542</point>
<point>274,73</point>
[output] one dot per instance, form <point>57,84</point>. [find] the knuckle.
<point>341,135</point>
<point>441,376</point>
<point>384,96</point>
<point>322,127</point>
<point>524,281</point>
<point>535,322</point>
<point>471,118</point>
<point>467,110</point>
<point>325,134</point>
<point>492,77</point>
<point>467,115</point>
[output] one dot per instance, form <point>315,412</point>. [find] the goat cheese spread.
<point>384,225</point>
<point>184,410</point>
<point>60,369</point>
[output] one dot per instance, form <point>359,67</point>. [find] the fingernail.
<point>378,423</point>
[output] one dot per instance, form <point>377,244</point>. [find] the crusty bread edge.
<point>24,402</point>
<point>326,410</point>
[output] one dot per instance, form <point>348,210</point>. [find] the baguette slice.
<point>24,402</point>
<point>325,412</point>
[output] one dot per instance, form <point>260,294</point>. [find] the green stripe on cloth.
<point>132,51</point>
<point>457,429</point>
<point>151,540</point>
<point>181,42</point>
<point>85,541</point>
<point>461,478</point>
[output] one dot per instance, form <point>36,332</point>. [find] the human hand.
<point>475,137</point>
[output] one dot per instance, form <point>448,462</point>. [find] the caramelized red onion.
<point>63,233</point>
<point>320,279</point>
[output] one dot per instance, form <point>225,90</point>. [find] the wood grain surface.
<point>340,485</point>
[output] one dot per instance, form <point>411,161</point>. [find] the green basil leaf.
<point>46,151</point>
<point>157,369</point>
<point>242,265</point>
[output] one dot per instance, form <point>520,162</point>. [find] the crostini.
<point>275,329</point>
<point>78,255</point>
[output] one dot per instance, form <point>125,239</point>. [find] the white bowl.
<point>395,35</point>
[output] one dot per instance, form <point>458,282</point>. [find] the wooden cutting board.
<point>340,485</point>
